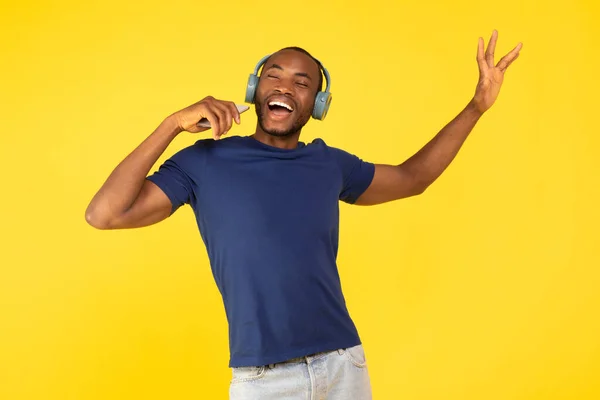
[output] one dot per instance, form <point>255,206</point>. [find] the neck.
<point>282,142</point>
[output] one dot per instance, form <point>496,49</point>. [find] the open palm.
<point>491,76</point>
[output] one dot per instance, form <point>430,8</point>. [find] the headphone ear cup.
<point>322,103</point>
<point>251,88</point>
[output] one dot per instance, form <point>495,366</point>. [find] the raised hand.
<point>221,115</point>
<point>491,76</point>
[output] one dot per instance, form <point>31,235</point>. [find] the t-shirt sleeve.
<point>172,178</point>
<point>357,175</point>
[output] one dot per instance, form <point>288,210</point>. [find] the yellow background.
<point>485,287</point>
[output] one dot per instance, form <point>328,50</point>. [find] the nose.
<point>284,87</point>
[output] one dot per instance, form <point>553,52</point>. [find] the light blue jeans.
<point>335,375</point>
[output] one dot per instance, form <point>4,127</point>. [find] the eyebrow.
<point>304,74</point>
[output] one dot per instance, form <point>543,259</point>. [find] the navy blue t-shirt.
<point>269,218</point>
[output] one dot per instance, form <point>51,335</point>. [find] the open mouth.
<point>280,109</point>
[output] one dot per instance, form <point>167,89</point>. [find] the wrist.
<point>474,110</point>
<point>171,125</point>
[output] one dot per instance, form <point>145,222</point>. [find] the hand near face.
<point>221,115</point>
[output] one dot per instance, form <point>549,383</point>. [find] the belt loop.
<point>340,351</point>
<point>271,366</point>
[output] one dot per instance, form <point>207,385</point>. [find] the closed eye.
<point>272,76</point>
<point>305,85</point>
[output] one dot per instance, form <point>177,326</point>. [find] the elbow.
<point>95,220</point>
<point>419,189</point>
<point>414,193</point>
<point>416,182</point>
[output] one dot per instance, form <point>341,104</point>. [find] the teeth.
<point>279,103</point>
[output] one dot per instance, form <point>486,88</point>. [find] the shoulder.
<point>319,145</point>
<point>337,154</point>
<point>202,147</point>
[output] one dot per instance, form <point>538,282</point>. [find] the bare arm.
<point>127,199</point>
<point>412,177</point>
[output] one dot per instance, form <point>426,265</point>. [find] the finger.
<point>219,126</point>
<point>211,113</point>
<point>197,114</point>
<point>489,54</point>
<point>510,62</point>
<point>221,117</point>
<point>509,58</point>
<point>213,119</point>
<point>197,129</point>
<point>234,111</point>
<point>480,57</point>
<point>227,120</point>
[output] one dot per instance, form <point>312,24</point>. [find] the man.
<point>267,210</point>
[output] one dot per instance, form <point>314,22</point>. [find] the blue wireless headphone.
<point>322,101</point>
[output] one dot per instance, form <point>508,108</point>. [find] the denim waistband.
<point>307,358</point>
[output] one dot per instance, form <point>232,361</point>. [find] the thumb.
<point>195,128</point>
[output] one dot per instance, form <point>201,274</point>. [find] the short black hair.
<point>319,65</point>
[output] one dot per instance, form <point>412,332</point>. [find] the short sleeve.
<point>174,181</point>
<point>357,175</point>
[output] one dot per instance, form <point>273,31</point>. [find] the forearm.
<point>429,162</point>
<point>123,185</point>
